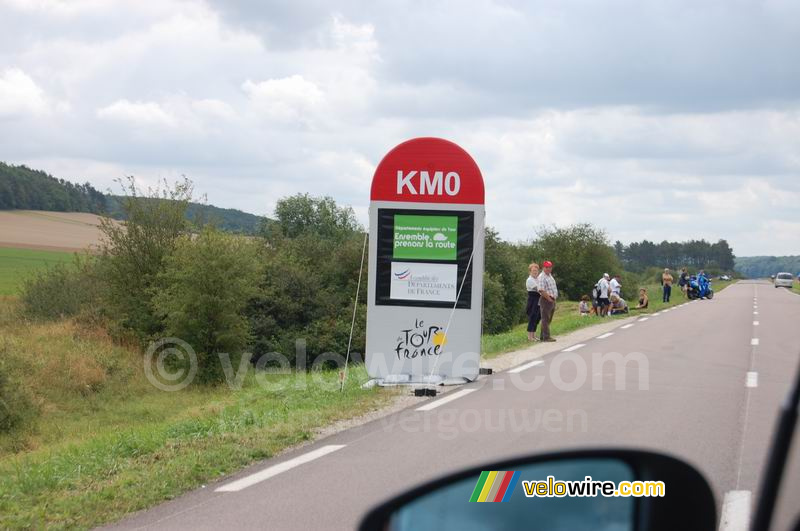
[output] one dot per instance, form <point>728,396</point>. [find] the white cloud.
<point>19,94</point>
<point>287,99</point>
<point>137,113</point>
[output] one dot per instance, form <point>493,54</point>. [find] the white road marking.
<point>607,334</point>
<point>755,323</point>
<point>735,511</point>
<point>445,400</point>
<point>754,341</point>
<point>752,379</point>
<point>574,347</point>
<point>656,314</point>
<point>643,319</point>
<point>626,326</point>
<point>274,470</point>
<point>755,313</point>
<point>526,366</point>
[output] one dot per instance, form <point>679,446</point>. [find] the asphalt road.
<point>692,398</point>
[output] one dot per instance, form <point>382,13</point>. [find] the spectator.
<point>644,301</point>
<point>683,282</point>
<point>615,286</point>
<point>532,308</point>
<point>618,305</point>
<point>595,295</point>
<point>603,288</point>
<point>583,307</point>
<point>702,284</point>
<point>666,282</point>
<point>547,302</point>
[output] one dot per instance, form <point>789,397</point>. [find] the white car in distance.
<point>784,280</point>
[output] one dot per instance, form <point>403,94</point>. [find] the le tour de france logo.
<point>422,339</point>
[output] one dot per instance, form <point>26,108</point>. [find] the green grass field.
<point>16,264</point>
<point>567,319</point>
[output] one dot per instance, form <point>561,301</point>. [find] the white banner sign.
<point>412,281</point>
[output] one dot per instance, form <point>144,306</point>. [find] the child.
<point>583,307</point>
<point>643,300</point>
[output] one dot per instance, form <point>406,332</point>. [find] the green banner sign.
<point>425,237</point>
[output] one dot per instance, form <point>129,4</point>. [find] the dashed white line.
<point>755,323</point>
<point>755,313</point>
<point>607,334</point>
<point>735,511</point>
<point>574,347</point>
<point>752,379</point>
<point>274,470</point>
<point>526,366</point>
<point>442,401</point>
<point>643,319</point>
<point>626,326</point>
<point>754,341</point>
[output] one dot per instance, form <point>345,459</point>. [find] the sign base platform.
<point>395,380</point>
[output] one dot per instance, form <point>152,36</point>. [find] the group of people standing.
<point>542,295</point>
<point>606,297</point>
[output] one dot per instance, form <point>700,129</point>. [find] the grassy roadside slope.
<point>108,443</point>
<point>567,319</point>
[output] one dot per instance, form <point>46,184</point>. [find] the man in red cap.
<point>547,302</point>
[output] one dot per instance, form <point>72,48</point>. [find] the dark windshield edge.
<point>778,455</point>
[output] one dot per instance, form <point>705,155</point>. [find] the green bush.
<point>495,311</point>
<point>63,290</point>
<point>134,253</point>
<point>207,282</point>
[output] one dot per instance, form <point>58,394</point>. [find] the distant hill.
<point>764,266</point>
<point>22,188</point>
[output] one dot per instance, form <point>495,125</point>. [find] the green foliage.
<point>27,189</point>
<point>313,254</point>
<point>134,254</point>
<point>580,255</point>
<point>504,294</point>
<point>207,282</point>
<point>495,311</point>
<point>63,289</point>
<point>765,266</point>
<point>303,214</point>
<point>695,254</point>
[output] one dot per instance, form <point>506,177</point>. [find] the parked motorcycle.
<point>699,288</point>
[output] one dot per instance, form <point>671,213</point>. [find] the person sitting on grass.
<point>644,301</point>
<point>618,305</point>
<point>583,307</point>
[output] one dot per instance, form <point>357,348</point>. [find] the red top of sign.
<point>428,170</point>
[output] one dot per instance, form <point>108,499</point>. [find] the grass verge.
<point>16,264</point>
<point>107,443</point>
<point>567,319</point>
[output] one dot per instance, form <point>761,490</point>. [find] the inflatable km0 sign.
<point>426,221</point>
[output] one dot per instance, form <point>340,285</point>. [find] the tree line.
<point>694,254</point>
<point>22,188</point>
<point>765,266</point>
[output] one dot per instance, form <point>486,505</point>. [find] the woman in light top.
<point>532,308</point>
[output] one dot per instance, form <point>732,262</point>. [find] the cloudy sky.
<point>652,119</point>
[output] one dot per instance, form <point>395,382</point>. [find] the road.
<point>714,374</point>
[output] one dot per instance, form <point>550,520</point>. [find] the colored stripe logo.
<point>494,486</point>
